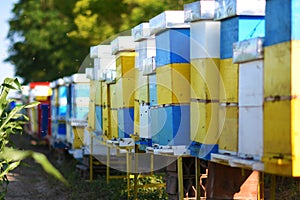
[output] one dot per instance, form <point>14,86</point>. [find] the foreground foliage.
<point>11,121</point>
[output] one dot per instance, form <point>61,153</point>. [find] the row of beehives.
<point>220,82</point>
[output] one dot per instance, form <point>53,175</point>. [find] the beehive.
<point>114,132</point>
<point>105,95</point>
<point>142,87</point>
<point>136,118</point>
<point>288,19</point>
<point>281,69</point>
<point>170,125</point>
<point>172,46</point>
<point>152,90</point>
<point>144,49</point>
<point>199,10</point>
<point>229,81</point>
<point>98,98</point>
<point>228,127</point>
<point>205,78</point>
<point>106,121</point>
<point>173,84</point>
<point>91,114</point>
<point>98,120</point>
<point>145,122</point>
<point>204,122</point>
<point>205,39</point>
<point>281,138</point>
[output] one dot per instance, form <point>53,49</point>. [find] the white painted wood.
<point>251,82</point>
<point>250,132</point>
<point>145,123</point>
<point>205,39</point>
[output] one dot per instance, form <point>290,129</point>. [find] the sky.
<point>6,69</point>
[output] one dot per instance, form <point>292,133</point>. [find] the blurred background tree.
<point>50,38</point>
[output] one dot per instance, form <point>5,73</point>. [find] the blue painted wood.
<point>170,125</point>
<point>152,90</point>
<point>44,119</point>
<point>282,21</point>
<point>237,29</point>
<point>125,122</point>
<point>98,120</point>
<point>172,46</point>
<point>203,151</point>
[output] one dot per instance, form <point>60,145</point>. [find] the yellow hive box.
<point>125,65</point>
<point>281,137</point>
<point>98,89</point>
<point>106,121</point>
<point>142,87</point>
<point>204,122</point>
<point>77,137</point>
<point>229,81</point>
<point>91,114</point>
<point>281,69</point>
<point>228,128</point>
<point>125,89</point>
<point>205,76</point>
<point>173,84</point>
<point>136,118</point>
<point>113,96</point>
<point>114,123</point>
<point>105,95</point>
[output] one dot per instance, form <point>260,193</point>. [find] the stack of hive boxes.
<point>249,55</point>
<point>62,110</point>
<point>281,88</point>
<point>122,93</point>
<point>145,48</point>
<point>170,121</point>
<point>80,104</point>
<point>240,20</point>
<point>205,58</point>
<point>69,130</point>
<point>103,61</point>
<point>54,108</point>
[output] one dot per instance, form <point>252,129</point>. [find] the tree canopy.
<point>50,38</point>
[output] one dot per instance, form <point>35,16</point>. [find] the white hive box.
<point>141,32</point>
<point>167,19</point>
<point>80,78</point>
<point>145,123</point>
<point>229,8</point>
<point>250,132</point>
<point>89,72</point>
<point>122,43</point>
<point>205,39</point>
<point>199,10</point>
<point>248,50</point>
<point>251,83</point>
<point>100,51</point>
<point>149,66</point>
<point>144,49</point>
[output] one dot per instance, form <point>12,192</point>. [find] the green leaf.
<point>32,104</point>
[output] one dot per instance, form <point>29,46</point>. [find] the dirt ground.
<point>29,181</point>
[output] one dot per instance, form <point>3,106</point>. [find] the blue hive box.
<point>282,21</point>
<point>170,125</point>
<point>125,122</point>
<point>172,46</point>
<point>237,29</point>
<point>152,90</point>
<point>98,120</point>
<point>44,119</point>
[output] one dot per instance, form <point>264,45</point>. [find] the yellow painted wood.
<point>204,122</point>
<point>106,121</point>
<point>142,87</point>
<point>205,76</point>
<point>105,95</point>
<point>91,113</point>
<point>173,84</point>
<point>114,123</point>
<point>136,118</point>
<point>229,81</point>
<point>281,137</point>
<point>98,99</point>
<point>281,69</point>
<point>228,127</point>
<point>78,137</point>
<point>113,96</point>
<point>125,89</point>
<point>125,65</point>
